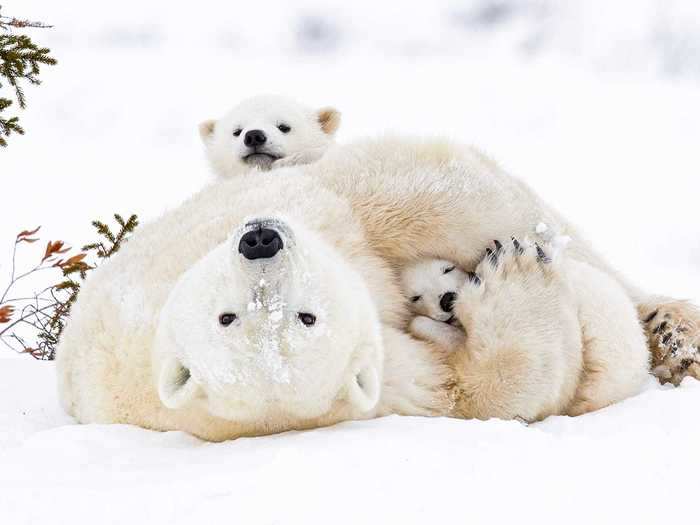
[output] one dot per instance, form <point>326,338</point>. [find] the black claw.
<point>667,338</point>
<point>473,278</point>
<point>498,245</point>
<point>541,255</point>
<point>651,316</point>
<point>491,256</point>
<point>661,327</point>
<point>518,249</point>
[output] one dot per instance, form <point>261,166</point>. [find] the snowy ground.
<point>631,463</point>
<point>595,106</point>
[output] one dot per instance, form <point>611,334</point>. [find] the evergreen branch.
<point>20,63</point>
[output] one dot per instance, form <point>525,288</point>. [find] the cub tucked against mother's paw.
<point>266,132</point>
<point>589,351</point>
<point>431,286</point>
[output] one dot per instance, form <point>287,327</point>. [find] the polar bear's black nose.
<point>254,137</point>
<point>261,243</point>
<point>447,301</point>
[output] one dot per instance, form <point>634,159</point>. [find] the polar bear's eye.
<point>226,319</point>
<point>284,128</point>
<point>237,132</point>
<point>448,269</point>
<point>415,298</point>
<point>307,319</point>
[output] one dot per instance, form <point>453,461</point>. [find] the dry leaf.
<point>6,313</point>
<point>28,233</point>
<point>75,259</point>
<point>54,247</point>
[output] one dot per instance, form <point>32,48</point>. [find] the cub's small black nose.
<point>254,137</point>
<point>263,243</point>
<point>447,301</point>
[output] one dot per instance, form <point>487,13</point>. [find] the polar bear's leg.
<point>673,334</point>
<point>445,336</point>
<point>523,351</point>
<point>615,354</point>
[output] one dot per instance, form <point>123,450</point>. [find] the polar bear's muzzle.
<point>263,238</point>
<point>260,243</point>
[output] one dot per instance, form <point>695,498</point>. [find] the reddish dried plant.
<point>34,324</point>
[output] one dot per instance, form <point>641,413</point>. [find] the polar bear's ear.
<point>206,129</point>
<point>363,387</point>
<point>329,119</point>
<point>176,387</point>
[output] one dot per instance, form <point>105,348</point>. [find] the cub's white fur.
<point>427,283</point>
<point>367,209</point>
<point>289,134</point>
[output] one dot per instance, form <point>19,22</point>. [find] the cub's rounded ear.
<point>206,129</point>
<point>329,119</point>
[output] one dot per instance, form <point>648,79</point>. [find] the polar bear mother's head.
<point>270,324</point>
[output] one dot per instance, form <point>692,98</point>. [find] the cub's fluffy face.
<point>266,131</point>
<point>289,334</point>
<point>432,286</point>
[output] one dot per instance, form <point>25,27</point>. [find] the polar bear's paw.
<point>445,336</point>
<point>511,279</point>
<point>524,265</point>
<point>518,312</point>
<point>673,334</point>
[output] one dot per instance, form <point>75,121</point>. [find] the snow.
<point>594,103</point>
<point>631,463</point>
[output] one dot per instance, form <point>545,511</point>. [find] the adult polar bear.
<point>183,317</point>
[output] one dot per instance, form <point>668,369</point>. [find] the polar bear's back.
<point>406,190</point>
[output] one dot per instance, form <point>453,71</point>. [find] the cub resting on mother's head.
<point>282,309</point>
<point>266,132</point>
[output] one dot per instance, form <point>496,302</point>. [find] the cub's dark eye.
<point>237,132</point>
<point>226,319</point>
<point>307,319</point>
<point>284,128</point>
<point>448,269</point>
<point>415,298</point>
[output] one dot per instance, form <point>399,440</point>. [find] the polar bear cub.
<point>431,286</point>
<point>266,132</point>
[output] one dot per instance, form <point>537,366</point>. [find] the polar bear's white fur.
<point>485,297</point>
<point>292,337</point>
<point>370,208</point>
<point>431,287</point>
<point>267,132</point>
<point>590,350</point>
<point>428,283</point>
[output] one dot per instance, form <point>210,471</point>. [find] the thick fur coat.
<point>555,338</point>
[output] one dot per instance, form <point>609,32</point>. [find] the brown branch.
<point>7,22</point>
<point>17,321</point>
